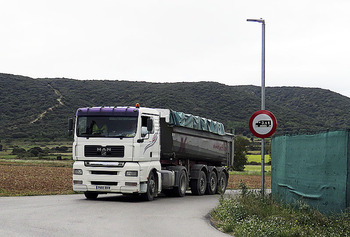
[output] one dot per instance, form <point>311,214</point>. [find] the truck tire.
<point>198,186</point>
<point>180,191</point>
<point>212,183</point>
<point>152,188</point>
<point>222,183</point>
<point>91,195</point>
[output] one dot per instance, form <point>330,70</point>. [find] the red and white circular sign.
<point>262,123</point>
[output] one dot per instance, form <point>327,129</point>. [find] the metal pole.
<point>263,107</point>
<point>262,21</point>
<point>263,67</point>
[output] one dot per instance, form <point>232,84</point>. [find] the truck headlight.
<point>78,171</point>
<point>132,173</point>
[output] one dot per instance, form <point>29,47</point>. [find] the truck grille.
<point>98,172</point>
<point>103,183</point>
<point>104,151</point>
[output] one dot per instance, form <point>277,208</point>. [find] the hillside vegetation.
<point>39,108</point>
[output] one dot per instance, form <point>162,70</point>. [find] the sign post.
<point>263,124</point>
<point>262,21</point>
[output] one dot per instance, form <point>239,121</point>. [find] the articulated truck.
<point>147,151</point>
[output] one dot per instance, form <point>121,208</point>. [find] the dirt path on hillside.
<point>59,100</point>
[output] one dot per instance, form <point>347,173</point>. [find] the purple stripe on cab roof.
<point>107,111</point>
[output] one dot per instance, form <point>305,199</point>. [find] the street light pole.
<point>262,21</point>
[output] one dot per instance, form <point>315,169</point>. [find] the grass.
<point>251,214</point>
<point>51,160</point>
<point>6,153</point>
<point>257,158</point>
<point>253,170</point>
<point>48,163</point>
<point>7,156</point>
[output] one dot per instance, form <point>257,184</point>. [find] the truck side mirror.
<point>149,125</point>
<point>70,127</point>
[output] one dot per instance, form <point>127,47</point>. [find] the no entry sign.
<point>262,124</point>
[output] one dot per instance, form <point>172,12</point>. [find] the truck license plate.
<point>103,187</point>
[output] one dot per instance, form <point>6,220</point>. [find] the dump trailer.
<point>146,151</point>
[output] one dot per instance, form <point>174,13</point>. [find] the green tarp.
<point>196,122</point>
<point>313,169</point>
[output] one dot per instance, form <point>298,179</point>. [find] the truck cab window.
<point>106,126</point>
<point>144,131</point>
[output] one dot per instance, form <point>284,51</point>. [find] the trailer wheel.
<point>212,183</point>
<point>91,195</point>
<point>222,183</point>
<point>198,186</point>
<point>180,191</point>
<point>151,192</point>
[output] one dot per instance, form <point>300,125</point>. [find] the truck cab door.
<point>150,147</point>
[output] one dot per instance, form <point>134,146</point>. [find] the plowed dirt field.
<point>17,180</point>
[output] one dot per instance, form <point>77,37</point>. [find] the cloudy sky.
<point>307,41</point>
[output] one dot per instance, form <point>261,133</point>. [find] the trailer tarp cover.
<point>190,121</point>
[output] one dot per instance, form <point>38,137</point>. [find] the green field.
<point>257,158</point>
<point>253,170</point>
<point>6,153</point>
<point>67,156</point>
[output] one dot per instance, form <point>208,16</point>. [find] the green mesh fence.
<point>312,168</point>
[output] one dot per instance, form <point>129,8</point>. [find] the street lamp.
<point>262,21</point>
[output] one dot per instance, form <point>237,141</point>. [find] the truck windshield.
<point>106,126</point>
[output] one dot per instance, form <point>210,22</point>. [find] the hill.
<point>39,108</point>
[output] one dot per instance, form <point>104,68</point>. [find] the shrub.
<point>18,151</point>
<point>240,160</point>
<point>251,214</point>
<point>35,151</point>
<point>60,149</point>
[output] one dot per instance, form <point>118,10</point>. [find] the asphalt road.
<point>109,215</point>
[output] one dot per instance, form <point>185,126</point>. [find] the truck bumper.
<point>107,179</point>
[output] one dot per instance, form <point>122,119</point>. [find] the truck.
<point>148,151</point>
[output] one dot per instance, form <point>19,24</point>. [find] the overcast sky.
<point>307,41</point>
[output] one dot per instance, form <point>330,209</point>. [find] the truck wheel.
<point>180,191</point>
<point>222,183</point>
<point>212,183</point>
<point>198,186</point>
<point>91,195</point>
<point>151,188</point>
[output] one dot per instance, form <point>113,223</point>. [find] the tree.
<point>18,151</point>
<point>35,151</point>
<point>240,160</point>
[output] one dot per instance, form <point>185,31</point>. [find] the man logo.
<point>104,150</point>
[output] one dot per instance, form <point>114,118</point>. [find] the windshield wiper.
<point>90,135</point>
<point>109,135</point>
<point>117,136</point>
